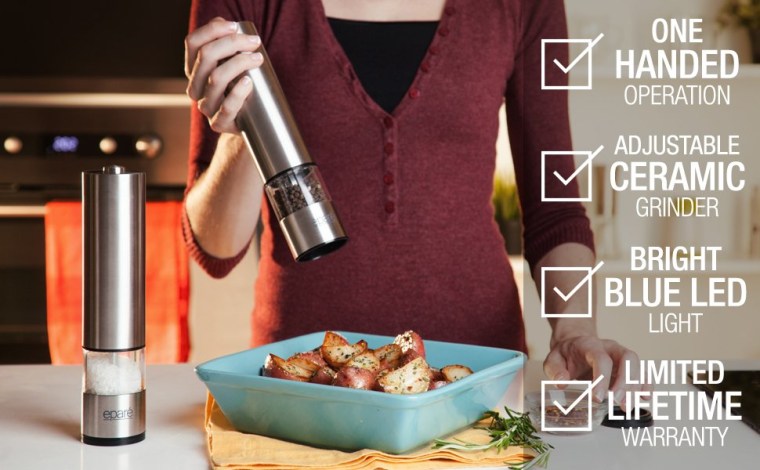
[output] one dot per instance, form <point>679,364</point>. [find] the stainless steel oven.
<point>96,83</point>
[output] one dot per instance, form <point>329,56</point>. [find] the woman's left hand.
<point>586,357</point>
<point>576,351</point>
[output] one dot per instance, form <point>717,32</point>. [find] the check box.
<point>556,400</point>
<point>548,59</point>
<point>583,277</point>
<point>554,164</point>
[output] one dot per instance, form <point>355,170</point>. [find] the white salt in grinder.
<point>113,340</point>
<point>293,183</point>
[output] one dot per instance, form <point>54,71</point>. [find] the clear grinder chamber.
<point>293,184</point>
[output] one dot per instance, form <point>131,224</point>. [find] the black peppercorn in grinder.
<point>293,184</point>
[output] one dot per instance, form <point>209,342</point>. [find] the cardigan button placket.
<point>389,124</point>
<point>390,165</point>
<point>434,49</point>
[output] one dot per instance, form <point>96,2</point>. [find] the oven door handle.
<point>18,212</point>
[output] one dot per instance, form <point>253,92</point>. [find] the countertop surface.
<point>40,415</point>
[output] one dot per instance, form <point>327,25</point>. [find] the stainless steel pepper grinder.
<point>293,183</point>
<point>113,339</point>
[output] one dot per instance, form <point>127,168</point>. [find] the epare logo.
<point>117,415</point>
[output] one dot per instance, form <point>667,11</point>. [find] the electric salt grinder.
<point>113,337</point>
<point>292,181</point>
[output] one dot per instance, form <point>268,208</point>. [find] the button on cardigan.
<point>413,188</point>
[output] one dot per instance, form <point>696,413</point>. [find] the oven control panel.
<point>47,139</point>
<point>81,145</point>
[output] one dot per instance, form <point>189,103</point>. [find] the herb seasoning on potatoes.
<point>399,367</point>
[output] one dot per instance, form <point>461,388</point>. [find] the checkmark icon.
<point>578,286</point>
<point>556,162</point>
<point>584,311</point>
<point>556,417</point>
<point>572,405</point>
<point>581,167</point>
<point>580,56</point>
<point>558,79</point>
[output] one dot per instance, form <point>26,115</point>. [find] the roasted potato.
<point>399,367</point>
<point>324,376</point>
<point>436,375</point>
<point>408,357</point>
<point>455,372</point>
<point>304,364</point>
<point>366,360</point>
<point>355,377</point>
<point>279,368</point>
<point>337,351</point>
<point>334,339</point>
<point>380,375</point>
<point>389,356</point>
<point>311,356</point>
<point>414,377</point>
<point>410,340</point>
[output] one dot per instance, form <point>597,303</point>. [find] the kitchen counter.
<point>39,428</point>
<point>40,416</point>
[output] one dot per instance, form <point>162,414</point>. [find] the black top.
<point>385,55</point>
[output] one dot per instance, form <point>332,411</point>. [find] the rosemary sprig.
<point>515,429</point>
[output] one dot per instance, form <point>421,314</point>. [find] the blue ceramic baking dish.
<point>348,419</point>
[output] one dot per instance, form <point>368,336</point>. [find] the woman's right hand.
<point>214,57</point>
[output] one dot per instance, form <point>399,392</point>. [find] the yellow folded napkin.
<point>231,449</point>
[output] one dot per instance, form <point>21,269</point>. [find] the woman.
<point>398,104</point>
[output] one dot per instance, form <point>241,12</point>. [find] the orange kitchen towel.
<point>232,450</point>
<point>167,283</point>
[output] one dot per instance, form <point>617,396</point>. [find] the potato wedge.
<point>413,377</point>
<point>338,355</point>
<point>355,377</point>
<point>436,375</point>
<point>311,356</point>
<point>389,356</point>
<point>380,375</point>
<point>366,360</point>
<point>279,368</point>
<point>334,339</point>
<point>455,372</point>
<point>324,376</point>
<point>399,367</point>
<point>408,357</point>
<point>304,364</point>
<point>411,340</point>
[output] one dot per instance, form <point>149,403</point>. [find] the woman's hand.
<point>576,351</point>
<point>586,356</point>
<point>214,57</point>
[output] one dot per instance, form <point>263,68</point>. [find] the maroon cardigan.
<point>413,188</point>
